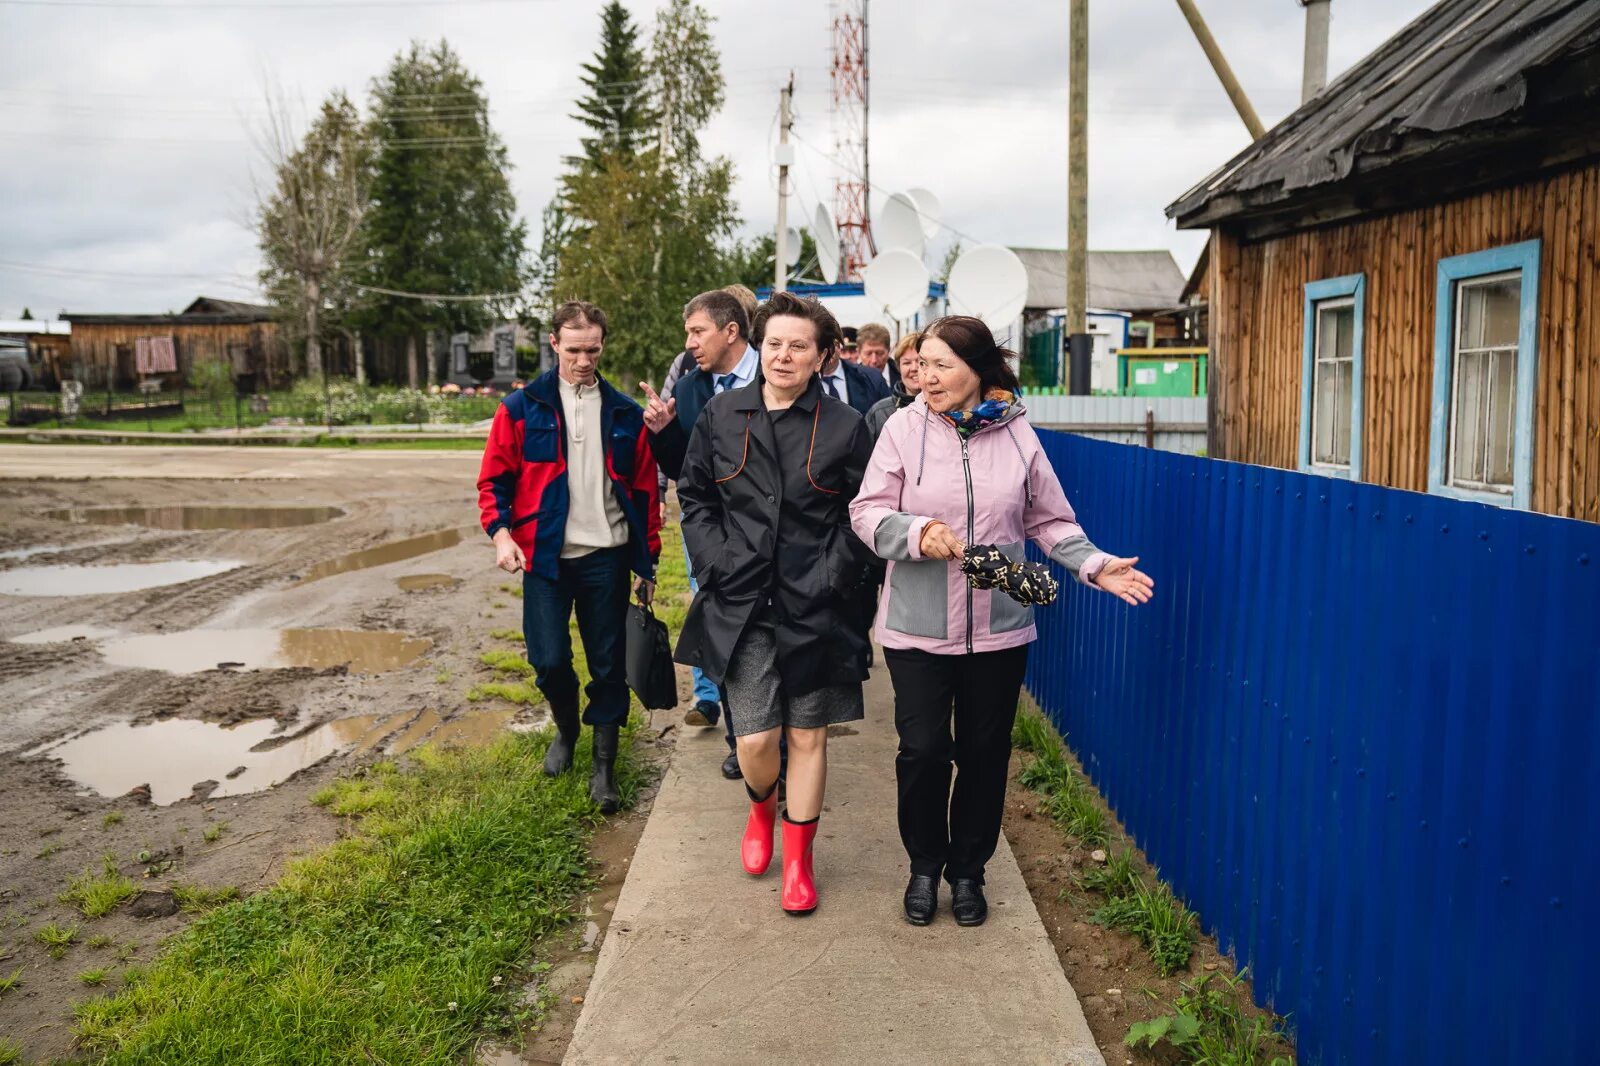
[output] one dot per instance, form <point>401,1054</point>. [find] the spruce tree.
<point>617,107</point>
<point>443,217</point>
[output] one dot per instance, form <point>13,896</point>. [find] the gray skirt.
<point>758,702</point>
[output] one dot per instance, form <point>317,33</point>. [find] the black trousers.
<point>945,832</point>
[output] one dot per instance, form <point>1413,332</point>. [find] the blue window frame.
<point>1485,371</point>
<point>1331,378</point>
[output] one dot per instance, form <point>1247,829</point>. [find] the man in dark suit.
<point>856,385</point>
<point>716,330</point>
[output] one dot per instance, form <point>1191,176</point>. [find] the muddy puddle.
<point>175,755</point>
<point>394,551</point>
<point>425,582</point>
<point>198,516</point>
<point>190,651</point>
<point>108,579</point>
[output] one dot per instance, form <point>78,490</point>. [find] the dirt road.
<point>275,642</point>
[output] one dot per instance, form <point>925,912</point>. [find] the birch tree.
<point>310,223</point>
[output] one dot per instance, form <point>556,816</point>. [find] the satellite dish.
<point>791,245</point>
<point>826,235</point>
<point>990,283</point>
<point>899,225</point>
<point>930,210</point>
<point>897,281</point>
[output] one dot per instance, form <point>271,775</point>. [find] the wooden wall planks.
<point>1257,308</point>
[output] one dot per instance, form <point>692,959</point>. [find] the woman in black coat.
<point>766,486</point>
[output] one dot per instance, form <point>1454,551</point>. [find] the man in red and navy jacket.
<point>569,494</point>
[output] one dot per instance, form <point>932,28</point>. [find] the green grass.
<point>100,940</point>
<point>49,850</point>
<point>399,944</point>
<point>507,634</point>
<point>56,938</point>
<point>506,662</point>
<point>10,1053</point>
<point>1162,923</point>
<point>96,976</point>
<point>514,591</point>
<point>511,691</point>
<point>1117,877</point>
<point>213,832</point>
<point>112,818</point>
<point>443,677</point>
<point>95,896</point>
<point>458,865</point>
<point>11,982</point>
<point>1209,1024</point>
<point>197,899</point>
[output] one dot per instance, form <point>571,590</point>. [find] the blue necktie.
<point>828,384</point>
<point>726,382</point>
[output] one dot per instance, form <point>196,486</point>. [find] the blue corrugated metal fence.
<point>1359,732</point>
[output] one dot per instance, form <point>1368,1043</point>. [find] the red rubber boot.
<point>756,851</point>
<point>799,894</point>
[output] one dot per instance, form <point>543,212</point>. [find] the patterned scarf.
<point>996,402</point>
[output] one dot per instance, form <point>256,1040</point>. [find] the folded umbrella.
<point>987,567</point>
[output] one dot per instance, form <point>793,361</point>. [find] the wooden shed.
<point>242,336</point>
<point>1404,281</point>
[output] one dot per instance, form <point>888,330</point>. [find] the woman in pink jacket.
<point>961,466</point>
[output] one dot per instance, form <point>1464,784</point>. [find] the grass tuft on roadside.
<point>97,896</point>
<point>386,946</point>
<point>1209,1025</point>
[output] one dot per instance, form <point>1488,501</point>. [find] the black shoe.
<point>559,758</point>
<point>730,768</point>
<point>602,779</point>
<point>922,899</point>
<point>703,713</point>
<point>967,902</point>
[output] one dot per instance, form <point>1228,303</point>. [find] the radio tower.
<point>848,75</point>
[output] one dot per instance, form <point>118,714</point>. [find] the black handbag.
<point>651,673</point>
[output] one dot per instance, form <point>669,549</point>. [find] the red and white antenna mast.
<point>848,76</point>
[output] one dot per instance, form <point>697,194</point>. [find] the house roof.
<point>1472,94</point>
<point>204,311</point>
<point>1121,281</point>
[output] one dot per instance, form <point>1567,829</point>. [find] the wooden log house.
<point>242,336</point>
<point>1404,275</point>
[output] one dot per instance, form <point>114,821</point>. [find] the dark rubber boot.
<point>559,758</point>
<point>602,779</point>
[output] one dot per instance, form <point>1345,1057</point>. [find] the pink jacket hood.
<point>998,489</point>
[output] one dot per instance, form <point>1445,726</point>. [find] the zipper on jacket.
<point>966,468</point>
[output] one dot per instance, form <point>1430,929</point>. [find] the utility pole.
<point>785,158</point>
<point>1079,343</point>
<point>1315,74</point>
<point>1219,63</point>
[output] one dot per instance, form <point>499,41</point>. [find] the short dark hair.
<point>577,313</point>
<point>971,340</point>
<point>723,307</point>
<point>787,304</point>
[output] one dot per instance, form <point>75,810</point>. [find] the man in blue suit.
<point>716,331</point>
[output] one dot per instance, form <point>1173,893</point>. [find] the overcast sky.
<point>127,164</point>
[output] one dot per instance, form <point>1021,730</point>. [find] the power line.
<point>443,297</point>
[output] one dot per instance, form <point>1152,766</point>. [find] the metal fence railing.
<point>1359,732</point>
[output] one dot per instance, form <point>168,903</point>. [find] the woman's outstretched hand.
<point>938,542</point>
<point>1119,578</point>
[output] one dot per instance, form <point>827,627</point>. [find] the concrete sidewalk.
<point>701,966</point>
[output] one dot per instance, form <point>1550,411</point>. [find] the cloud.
<point>128,133</point>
